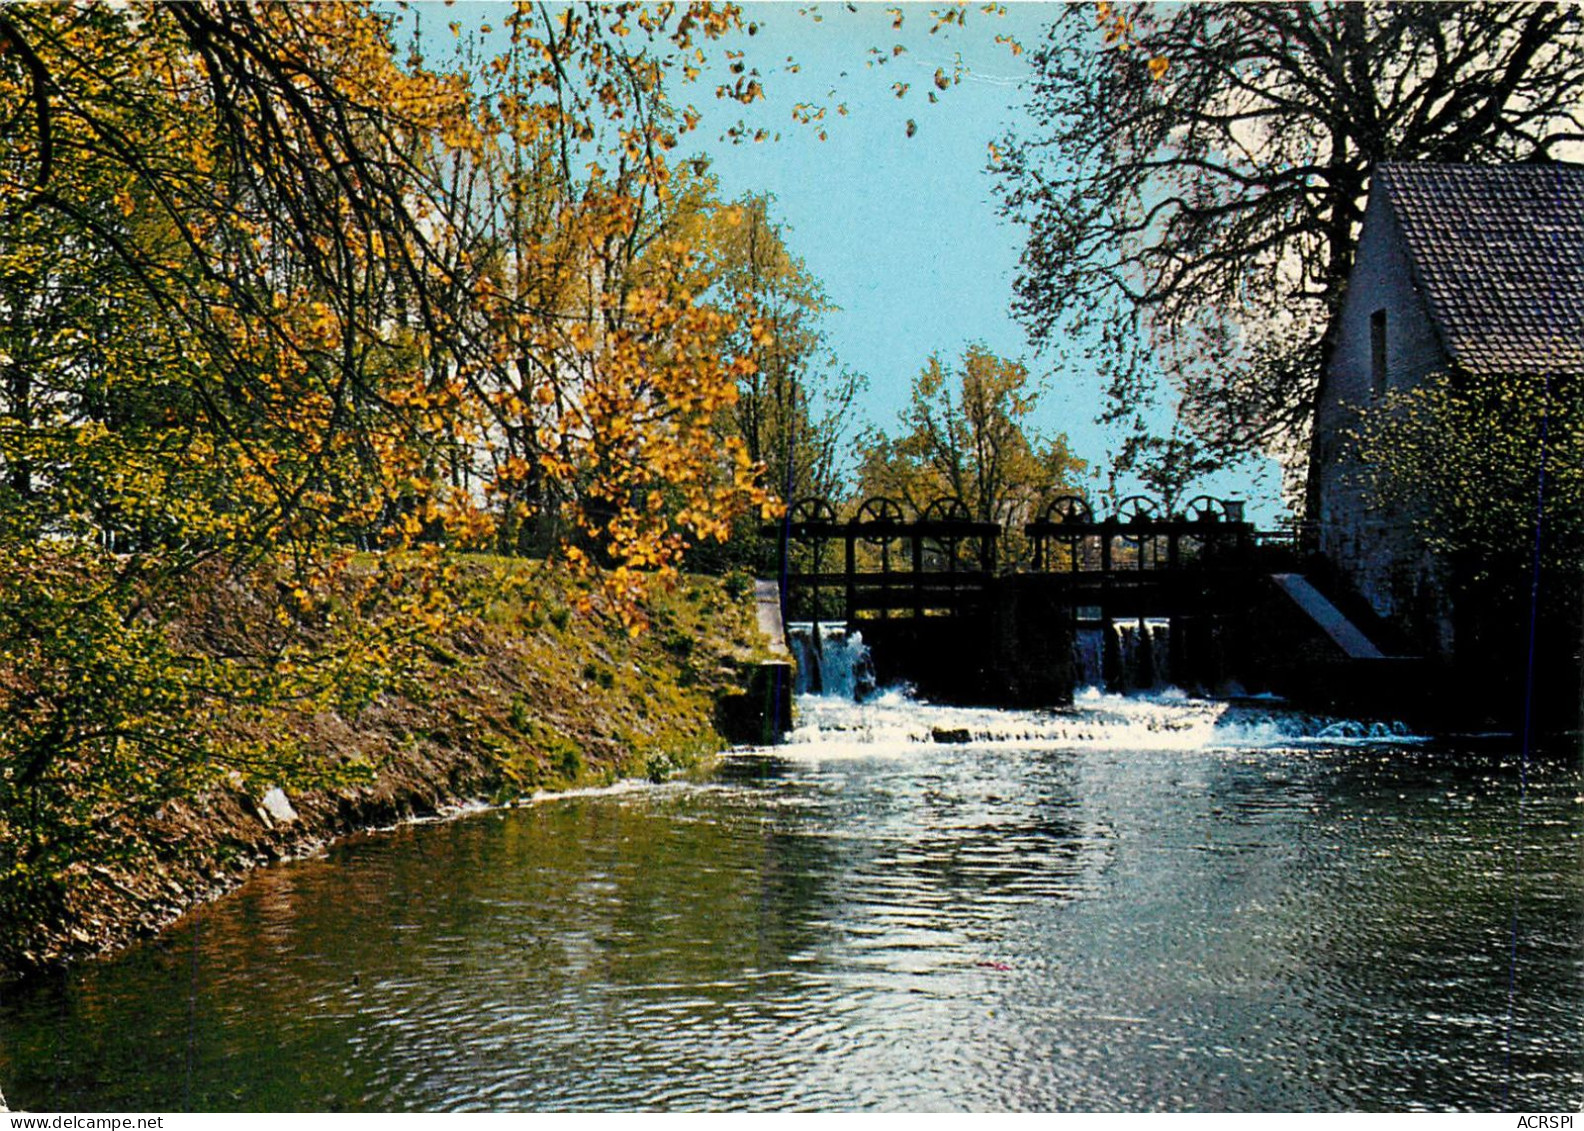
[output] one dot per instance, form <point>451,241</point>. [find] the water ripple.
<point>1136,905</point>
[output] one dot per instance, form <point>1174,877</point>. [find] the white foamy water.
<point>832,660</point>
<point>893,723</point>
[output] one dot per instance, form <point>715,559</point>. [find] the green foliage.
<point>94,707</point>
<point>1480,465</point>
<point>519,715</point>
<point>120,695</point>
<point>739,584</point>
<point>1489,471</point>
<point>567,760</point>
<point>792,412</point>
<point>793,408</point>
<point>965,435</point>
<point>678,643</point>
<point>290,321</point>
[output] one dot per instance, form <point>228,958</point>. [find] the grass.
<point>527,695</point>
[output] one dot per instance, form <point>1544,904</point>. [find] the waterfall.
<point>1123,655</point>
<point>831,660</point>
<point>1089,656</point>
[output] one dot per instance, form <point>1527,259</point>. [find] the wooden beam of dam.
<point>941,611</point>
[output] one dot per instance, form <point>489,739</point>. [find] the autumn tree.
<point>1192,202</point>
<point>966,434</point>
<point>194,227</point>
<point>793,407</point>
<point>601,362</point>
<point>263,302</point>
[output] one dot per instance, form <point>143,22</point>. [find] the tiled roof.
<point>1499,251</point>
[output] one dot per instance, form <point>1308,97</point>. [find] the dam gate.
<point>947,605</point>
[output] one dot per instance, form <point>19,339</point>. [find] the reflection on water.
<point>1136,905</point>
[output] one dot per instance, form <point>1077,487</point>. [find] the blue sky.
<point>902,232</point>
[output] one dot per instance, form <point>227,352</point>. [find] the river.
<point>1140,904</point>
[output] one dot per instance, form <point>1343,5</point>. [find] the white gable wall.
<point>1380,553</point>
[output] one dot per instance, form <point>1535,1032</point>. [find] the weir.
<point>831,660</point>
<point>1133,601</point>
<point>1131,655</point>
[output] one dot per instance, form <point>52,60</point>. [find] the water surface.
<point>1138,905</point>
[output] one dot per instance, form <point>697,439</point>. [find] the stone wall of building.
<point>1379,551</point>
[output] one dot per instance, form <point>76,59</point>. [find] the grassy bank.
<point>530,693</point>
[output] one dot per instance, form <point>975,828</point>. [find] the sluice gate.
<point>946,605</point>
